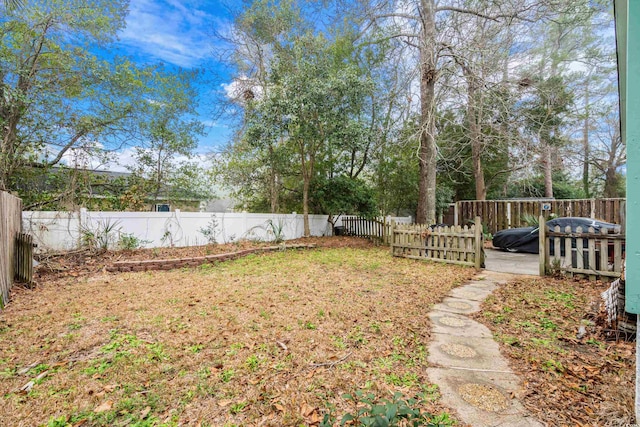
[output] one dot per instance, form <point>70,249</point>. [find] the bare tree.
<point>608,157</point>
<point>426,26</point>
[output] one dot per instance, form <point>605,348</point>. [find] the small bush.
<point>393,412</point>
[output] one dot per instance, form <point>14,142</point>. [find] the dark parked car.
<point>525,239</point>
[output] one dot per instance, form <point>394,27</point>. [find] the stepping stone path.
<point>466,362</point>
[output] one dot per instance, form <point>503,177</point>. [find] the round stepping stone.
<point>483,397</point>
<point>458,350</point>
<point>452,321</point>
<point>459,305</point>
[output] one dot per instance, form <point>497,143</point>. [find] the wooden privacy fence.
<point>10,226</point>
<point>502,214</point>
<point>590,253</point>
<point>455,244</point>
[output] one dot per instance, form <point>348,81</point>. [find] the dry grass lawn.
<point>271,340</point>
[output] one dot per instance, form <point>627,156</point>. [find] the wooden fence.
<point>589,253</point>
<point>24,258</point>
<point>455,244</point>
<point>377,229</point>
<point>10,226</point>
<point>502,214</point>
<point>374,229</point>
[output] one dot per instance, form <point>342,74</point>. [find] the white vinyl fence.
<point>64,231</point>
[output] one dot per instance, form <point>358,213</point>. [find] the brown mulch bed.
<point>569,380</point>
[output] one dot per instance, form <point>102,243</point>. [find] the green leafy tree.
<point>545,112</point>
<point>169,132</point>
<point>311,105</point>
<point>59,101</point>
<point>49,81</point>
<point>342,195</point>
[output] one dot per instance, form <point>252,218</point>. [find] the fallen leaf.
<point>306,410</point>
<point>145,412</point>
<point>282,345</point>
<point>315,418</point>
<point>279,407</point>
<point>224,403</point>
<point>104,407</point>
<point>27,387</point>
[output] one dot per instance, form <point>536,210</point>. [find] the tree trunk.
<point>426,209</point>
<point>611,183</point>
<point>305,203</point>
<point>307,171</point>
<point>585,143</point>
<point>548,168</point>
<point>273,184</point>
<point>475,135</point>
<point>8,148</point>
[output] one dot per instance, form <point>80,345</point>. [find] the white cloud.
<point>169,31</point>
<point>239,88</point>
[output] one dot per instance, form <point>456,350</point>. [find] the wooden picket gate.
<point>24,258</point>
<point>455,244</point>
<point>596,255</point>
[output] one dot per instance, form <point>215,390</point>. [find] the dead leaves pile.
<point>568,381</point>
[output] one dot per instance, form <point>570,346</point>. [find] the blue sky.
<point>180,33</point>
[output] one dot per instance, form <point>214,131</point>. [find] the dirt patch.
<point>567,381</point>
<point>273,339</point>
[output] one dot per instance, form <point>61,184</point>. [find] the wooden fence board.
<point>588,253</point>
<point>24,258</point>
<point>10,225</point>
<point>494,213</point>
<point>455,244</point>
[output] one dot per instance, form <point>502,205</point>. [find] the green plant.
<point>236,408</point>
<point>210,231</point>
<point>61,421</point>
<point>430,392</point>
<point>406,380</point>
<point>227,375</point>
<point>387,412</point>
<point>129,242</point>
<point>252,362</point>
<point>276,230</point>
<point>530,220</point>
<point>309,325</point>
<point>196,348</point>
<point>553,365</point>
<point>100,236</point>
<point>167,236</point>
<point>339,342</point>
